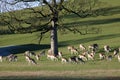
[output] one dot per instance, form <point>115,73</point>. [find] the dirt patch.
<point>82,73</point>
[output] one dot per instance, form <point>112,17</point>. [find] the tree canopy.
<point>38,19</point>
<point>47,17</point>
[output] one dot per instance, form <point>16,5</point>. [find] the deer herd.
<point>77,55</point>
<point>83,54</point>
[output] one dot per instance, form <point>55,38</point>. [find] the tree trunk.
<point>54,20</point>
<point>54,39</point>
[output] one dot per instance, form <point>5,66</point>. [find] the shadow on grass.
<point>93,22</point>
<point>103,11</point>
<point>108,11</point>
<point>59,78</point>
<point>4,51</point>
<point>84,40</point>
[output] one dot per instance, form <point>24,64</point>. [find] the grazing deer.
<point>11,57</point>
<point>73,59</point>
<point>60,54</point>
<point>30,60</point>
<point>82,47</point>
<point>119,49</point>
<point>29,53</point>
<point>64,60</point>
<point>37,57</point>
<point>74,51</point>
<point>52,57</point>
<point>83,57</point>
<point>90,57</point>
<point>32,53</point>
<point>93,47</point>
<point>81,60</point>
<point>107,48</point>
<point>85,53</point>
<point>69,48</point>
<point>1,58</point>
<point>109,57</point>
<point>102,56</point>
<point>116,51</point>
<point>92,54</point>
<point>90,47</point>
<point>118,58</point>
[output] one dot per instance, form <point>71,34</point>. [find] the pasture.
<point>45,69</point>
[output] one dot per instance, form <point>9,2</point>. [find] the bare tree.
<point>46,18</point>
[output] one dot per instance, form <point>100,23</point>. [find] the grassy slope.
<point>110,35</point>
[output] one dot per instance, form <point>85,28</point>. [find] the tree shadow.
<point>15,49</point>
<point>101,11</point>
<point>108,11</point>
<point>84,40</point>
<point>92,22</point>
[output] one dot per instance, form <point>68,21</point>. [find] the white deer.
<point>30,60</point>
<point>64,60</point>
<point>52,57</point>
<point>107,49</point>
<point>83,57</point>
<point>82,47</point>
<point>118,58</point>
<point>101,56</point>
<point>1,59</point>
<point>90,57</point>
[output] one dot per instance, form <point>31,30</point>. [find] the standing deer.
<point>30,60</point>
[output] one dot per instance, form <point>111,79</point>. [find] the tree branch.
<point>60,5</point>
<point>71,11</point>
<point>45,2</point>
<point>40,12</point>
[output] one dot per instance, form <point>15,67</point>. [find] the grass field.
<point>54,70</point>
